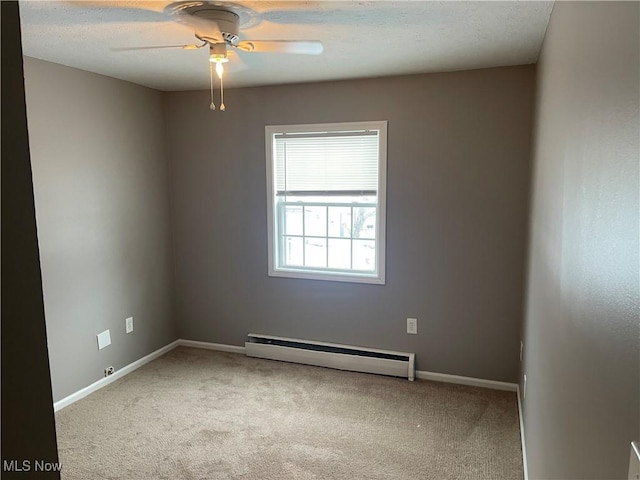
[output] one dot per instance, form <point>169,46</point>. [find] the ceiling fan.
<point>218,28</point>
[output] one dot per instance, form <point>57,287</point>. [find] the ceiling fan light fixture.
<point>219,70</point>
<point>218,53</point>
<point>218,58</point>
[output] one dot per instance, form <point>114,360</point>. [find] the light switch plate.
<point>104,339</point>
<point>129,324</point>
<point>412,326</point>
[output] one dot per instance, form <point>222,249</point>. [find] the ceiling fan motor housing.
<point>227,22</point>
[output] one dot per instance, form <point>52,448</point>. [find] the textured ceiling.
<point>361,39</point>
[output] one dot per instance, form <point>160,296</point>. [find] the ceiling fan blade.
<point>155,47</point>
<point>236,63</point>
<point>305,47</point>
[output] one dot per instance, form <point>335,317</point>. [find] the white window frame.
<point>377,277</point>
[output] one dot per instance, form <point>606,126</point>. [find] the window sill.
<point>373,279</point>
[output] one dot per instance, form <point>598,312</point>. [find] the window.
<point>326,187</point>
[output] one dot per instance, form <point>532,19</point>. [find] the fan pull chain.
<point>212,106</point>
<point>221,95</point>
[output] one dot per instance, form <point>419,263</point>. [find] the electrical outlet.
<point>129,324</point>
<point>109,371</point>
<point>412,326</point>
<point>524,387</point>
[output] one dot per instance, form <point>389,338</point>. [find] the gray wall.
<point>458,188</point>
<point>102,206</point>
<point>28,428</point>
<point>582,330</point>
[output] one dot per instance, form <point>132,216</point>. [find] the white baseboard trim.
<point>103,382</point>
<point>438,377</point>
<point>524,448</point>
<point>211,346</point>
<point>474,382</point>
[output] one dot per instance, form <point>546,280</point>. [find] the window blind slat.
<point>344,162</point>
<point>325,134</point>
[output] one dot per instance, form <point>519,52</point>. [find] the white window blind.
<point>327,162</point>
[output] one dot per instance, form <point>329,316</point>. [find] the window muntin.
<point>326,194</point>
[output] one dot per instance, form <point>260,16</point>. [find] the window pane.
<point>315,221</point>
<point>364,222</point>
<point>340,253</point>
<point>364,255</point>
<point>315,252</point>
<point>339,222</point>
<point>293,251</point>
<point>293,220</point>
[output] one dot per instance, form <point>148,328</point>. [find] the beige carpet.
<point>199,414</point>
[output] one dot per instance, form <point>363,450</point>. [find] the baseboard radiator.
<point>332,355</point>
